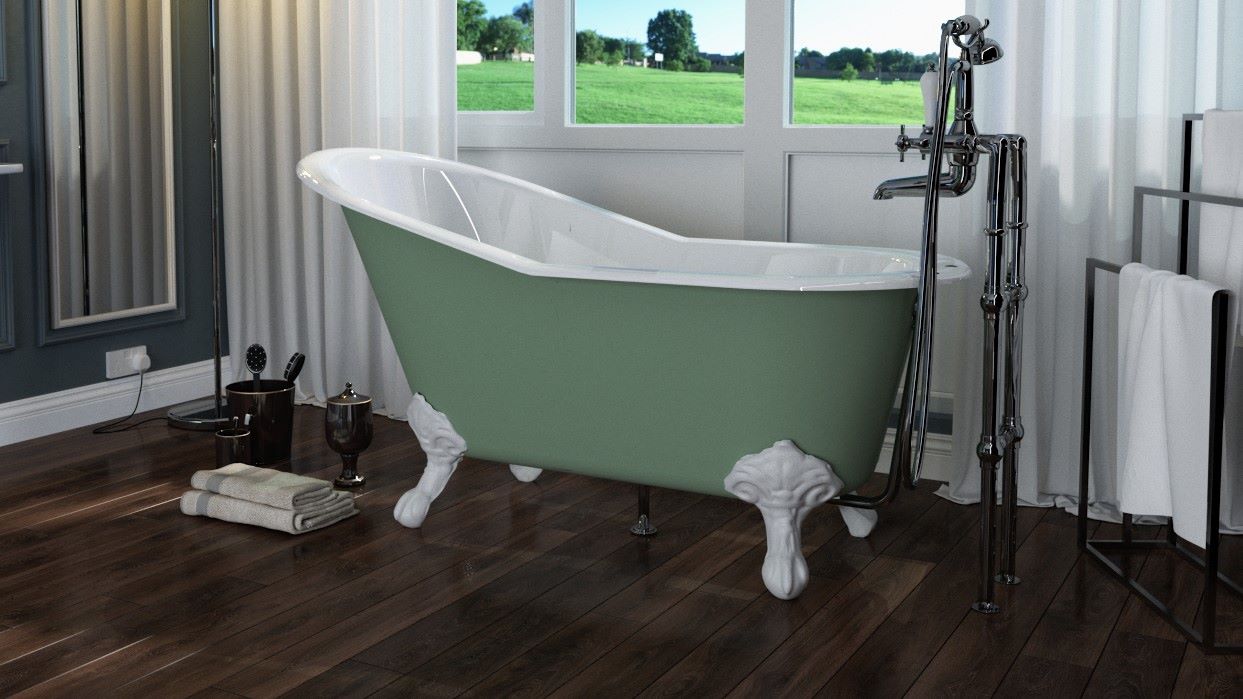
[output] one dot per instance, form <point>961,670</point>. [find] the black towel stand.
<point>1222,344</point>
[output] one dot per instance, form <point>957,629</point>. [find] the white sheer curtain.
<point>298,76</point>
<point>1099,89</point>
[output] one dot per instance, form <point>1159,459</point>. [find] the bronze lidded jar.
<point>347,427</point>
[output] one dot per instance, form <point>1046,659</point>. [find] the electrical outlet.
<point>124,362</point>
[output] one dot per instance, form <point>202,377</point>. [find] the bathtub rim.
<point>314,172</point>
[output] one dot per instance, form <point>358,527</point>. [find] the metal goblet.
<point>347,427</point>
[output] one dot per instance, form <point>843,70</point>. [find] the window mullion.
<point>553,61</point>
<point>766,107</point>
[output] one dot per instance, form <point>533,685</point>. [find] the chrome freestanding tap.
<point>1004,286</point>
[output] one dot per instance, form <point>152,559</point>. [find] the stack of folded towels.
<point>267,498</point>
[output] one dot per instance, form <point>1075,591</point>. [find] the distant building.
<point>519,56</point>
<point>810,62</point>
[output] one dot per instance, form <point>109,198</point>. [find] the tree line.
<point>592,47</point>
<point>492,36</point>
<point>671,33</point>
<point>891,61</point>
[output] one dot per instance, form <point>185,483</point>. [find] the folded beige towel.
<point>265,486</point>
<point>204,504</point>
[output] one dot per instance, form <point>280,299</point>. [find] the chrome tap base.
<point>643,527</point>
<point>985,607</point>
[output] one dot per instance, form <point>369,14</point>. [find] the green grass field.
<point>629,95</point>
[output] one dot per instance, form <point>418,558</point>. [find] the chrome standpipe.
<point>1001,302</point>
<point>993,302</point>
<point>1016,296</point>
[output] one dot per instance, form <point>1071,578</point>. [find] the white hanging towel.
<point>1164,350</point>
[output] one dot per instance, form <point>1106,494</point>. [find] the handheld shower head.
<point>985,51</point>
<point>968,34</point>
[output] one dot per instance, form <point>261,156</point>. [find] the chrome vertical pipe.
<point>1016,295</point>
<point>992,301</point>
<point>919,365</point>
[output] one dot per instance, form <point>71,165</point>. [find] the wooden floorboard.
<point>515,589</point>
<point>895,655</point>
<point>1070,636</point>
<point>1045,559</point>
<point>1144,654</point>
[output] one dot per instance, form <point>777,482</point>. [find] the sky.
<point>824,25</point>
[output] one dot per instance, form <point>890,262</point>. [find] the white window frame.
<point>766,139</point>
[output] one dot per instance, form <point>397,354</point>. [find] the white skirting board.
<point>39,416</point>
<point>936,455</point>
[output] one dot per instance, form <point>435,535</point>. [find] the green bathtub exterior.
<point>647,383</point>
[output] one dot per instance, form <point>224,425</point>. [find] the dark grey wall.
<point>40,361</point>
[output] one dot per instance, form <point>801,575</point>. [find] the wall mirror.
<point>109,144</point>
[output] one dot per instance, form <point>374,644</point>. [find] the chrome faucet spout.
<point>955,183</point>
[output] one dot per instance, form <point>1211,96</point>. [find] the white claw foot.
<point>526,474</point>
<point>444,448</point>
<point>859,522</point>
<point>785,484</point>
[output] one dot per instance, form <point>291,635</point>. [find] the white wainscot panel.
<point>830,201</point>
<point>692,194</point>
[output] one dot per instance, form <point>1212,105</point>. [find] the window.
<point>496,56</point>
<point>658,61</point>
<point>854,64</point>
<point>801,168</point>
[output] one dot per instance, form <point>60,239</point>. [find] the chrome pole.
<point>919,365</point>
<point>1016,295</point>
<point>991,447</point>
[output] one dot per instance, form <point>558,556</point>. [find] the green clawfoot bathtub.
<point>536,329</point>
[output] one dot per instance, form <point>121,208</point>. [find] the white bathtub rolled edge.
<point>315,171</point>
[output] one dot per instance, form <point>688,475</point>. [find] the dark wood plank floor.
<point>538,589</point>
